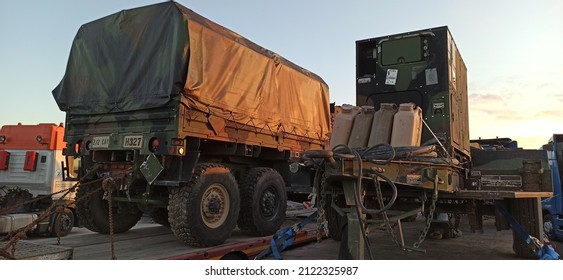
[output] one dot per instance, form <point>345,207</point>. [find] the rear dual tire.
<point>204,211</point>
<point>263,202</point>
<point>93,213</point>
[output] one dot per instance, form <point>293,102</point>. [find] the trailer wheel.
<point>93,214</point>
<point>160,216</point>
<point>527,212</point>
<point>62,223</point>
<point>204,211</point>
<point>263,201</point>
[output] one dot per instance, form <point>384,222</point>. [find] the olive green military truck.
<point>175,116</point>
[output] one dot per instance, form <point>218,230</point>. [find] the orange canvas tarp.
<point>230,76</point>
<point>161,54</point>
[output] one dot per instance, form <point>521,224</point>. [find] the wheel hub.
<point>268,203</point>
<point>66,222</point>
<point>215,206</point>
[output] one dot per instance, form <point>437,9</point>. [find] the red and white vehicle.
<point>31,170</point>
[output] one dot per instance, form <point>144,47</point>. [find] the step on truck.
<point>31,180</point>
<point>183,119</point>
<point>439,172</point>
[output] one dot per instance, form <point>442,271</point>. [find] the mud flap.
<point>182,167</point>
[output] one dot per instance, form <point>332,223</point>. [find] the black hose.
<point>393,188</point>
<point>375,148</point>
<point>357,189</point>
<point>360,175</point>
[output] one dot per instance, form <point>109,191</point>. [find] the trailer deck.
<point>149,241</point>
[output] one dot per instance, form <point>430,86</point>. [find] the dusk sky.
<point>512,51</point>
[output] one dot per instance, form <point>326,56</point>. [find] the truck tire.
<point>527,212</point>
<point>204,211</point>
<point>62,223</point>
<point>263,201</point>
<point>93,214</point>
<point>160,216</point>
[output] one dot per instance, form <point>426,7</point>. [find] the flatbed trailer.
<point>82,244</point>
<point>151,241</point>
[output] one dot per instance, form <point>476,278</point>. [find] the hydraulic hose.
<point>375,148</point>
<point>357,193</point>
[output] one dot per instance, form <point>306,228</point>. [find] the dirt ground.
<point>489,245</point>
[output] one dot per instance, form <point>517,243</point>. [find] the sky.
<point>512,50</point>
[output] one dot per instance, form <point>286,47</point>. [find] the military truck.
<point>187,121</point>
<point>445,174</point>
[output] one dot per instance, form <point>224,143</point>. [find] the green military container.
<point>423,67</point>
<point>186,120</point>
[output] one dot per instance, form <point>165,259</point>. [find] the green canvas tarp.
<point>151,56</point>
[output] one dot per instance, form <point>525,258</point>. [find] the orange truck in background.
<point>31,180</point>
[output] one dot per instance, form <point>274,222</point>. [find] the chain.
<point>8,210</point>
<point>21,233</point>
<point>428,219</point>
<point>385,216</point>
<point>321,217</point>
<point>106,185</point>
<point>60,211</point>
<point>9,250</point>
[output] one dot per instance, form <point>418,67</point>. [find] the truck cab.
<point>31,179</point>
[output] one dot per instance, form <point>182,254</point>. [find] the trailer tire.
<point>204,211</point>
<point>263,202</point>
<point>527,212</point>
<point>160,216</point>
<point>93,214</point>
<point>62,223</point>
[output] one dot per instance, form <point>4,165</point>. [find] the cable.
<point>391,156</point>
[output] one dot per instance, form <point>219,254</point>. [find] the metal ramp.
<point>26,250</point>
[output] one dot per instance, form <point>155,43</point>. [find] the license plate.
<point>100,142</point>
<point>133,141</point>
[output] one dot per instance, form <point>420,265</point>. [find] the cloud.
<point>544,85</point>
<point>550,114</point>
<point>485,97</point>
<point>493,107</point>
<point>530,117</point>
